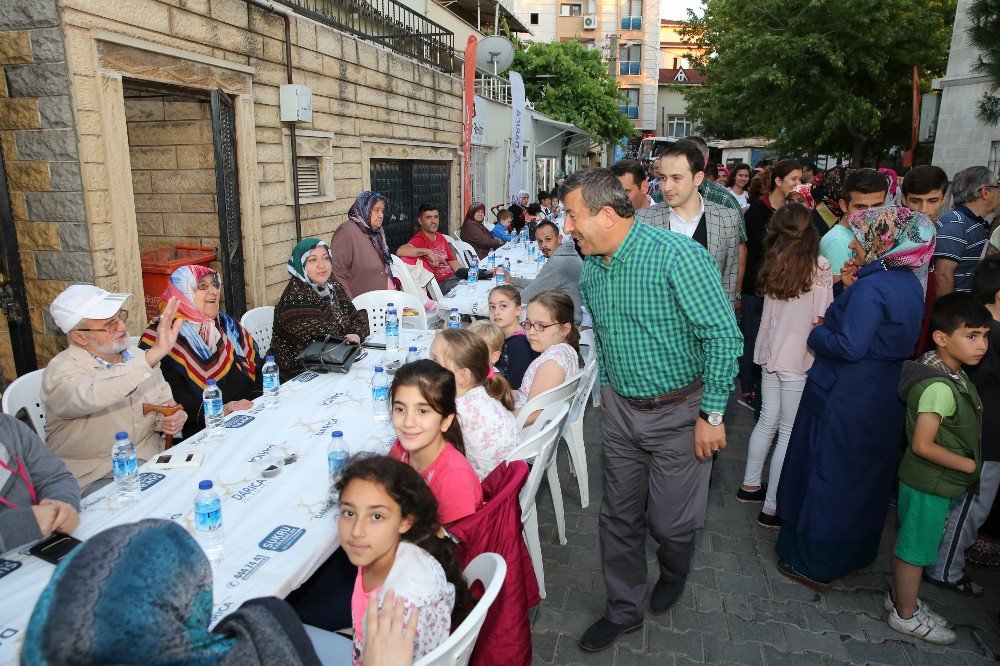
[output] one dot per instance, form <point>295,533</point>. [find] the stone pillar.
<point>43,168</point>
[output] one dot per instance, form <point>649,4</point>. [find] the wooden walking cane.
<point>166,410</point>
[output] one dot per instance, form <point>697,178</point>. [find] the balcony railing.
<point>385,22</point>
<point>493,87</point>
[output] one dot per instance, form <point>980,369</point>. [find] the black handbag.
<point>329,354</point>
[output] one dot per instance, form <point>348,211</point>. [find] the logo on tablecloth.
<point>238,421</point>
<point>330,399</point>
<point>260,455</point>
<point>8,566</point>
<point>249,490</point>
<point>149,479</point>
<point>248,569</point>
<point>222,610</point>
<point>307,376</point>
<point>282,538</point>
<point>328,426</point>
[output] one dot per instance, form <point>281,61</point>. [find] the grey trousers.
<point>651,479</point>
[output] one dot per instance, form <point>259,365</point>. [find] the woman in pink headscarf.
<point>211,345</point>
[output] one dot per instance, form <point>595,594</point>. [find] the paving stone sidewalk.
<point>737,608</point>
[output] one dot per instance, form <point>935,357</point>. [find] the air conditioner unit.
<point>590,22</point>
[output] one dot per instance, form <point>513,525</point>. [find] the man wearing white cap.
<point>97,386</point>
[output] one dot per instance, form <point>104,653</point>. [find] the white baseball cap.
<point>84,301</point>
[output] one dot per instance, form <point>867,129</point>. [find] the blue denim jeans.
<point>751,312</point>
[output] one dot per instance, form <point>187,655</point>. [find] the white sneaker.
<point>923,627</point>
<point>889,607</point>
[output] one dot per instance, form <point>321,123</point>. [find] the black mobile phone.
<point>54,548</point>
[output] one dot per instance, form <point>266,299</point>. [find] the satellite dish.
<point>494,54</point>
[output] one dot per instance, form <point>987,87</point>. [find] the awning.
<point>550,135</point>
<point>479,13</point>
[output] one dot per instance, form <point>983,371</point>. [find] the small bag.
<point>329,355</point>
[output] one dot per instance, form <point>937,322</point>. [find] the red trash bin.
<point>157,265</point>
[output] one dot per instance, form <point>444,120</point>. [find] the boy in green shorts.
<point>942,462</point>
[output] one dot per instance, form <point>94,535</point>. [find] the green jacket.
<point>959,433</point>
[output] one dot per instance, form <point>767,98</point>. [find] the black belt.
<point>668,400</point>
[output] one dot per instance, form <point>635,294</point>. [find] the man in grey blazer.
<point>685,211</point>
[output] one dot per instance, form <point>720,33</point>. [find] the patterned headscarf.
<point>827,186</point>
<point>805,189</point>
<point>894,235</point>
<point>892,195</point>
<point>361,215</point>
<point>516,199</point>
<point>135,593</point>
<point>297,264</point>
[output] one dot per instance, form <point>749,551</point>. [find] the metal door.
<point>13,301</point>
<point>228,195</point>
<point>406,184</point>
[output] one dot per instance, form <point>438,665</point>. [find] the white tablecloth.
<point>278,530</point>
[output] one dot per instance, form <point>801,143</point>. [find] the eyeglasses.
<point>111,326</point>
<point>209,281</point>
<point>528,326</point>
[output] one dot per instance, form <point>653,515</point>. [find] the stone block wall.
<point>173,171</point>
<point>42,164</point>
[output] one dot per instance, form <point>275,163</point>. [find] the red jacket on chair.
<point>505,639</point>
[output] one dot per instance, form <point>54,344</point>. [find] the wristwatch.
<point>712,418</point>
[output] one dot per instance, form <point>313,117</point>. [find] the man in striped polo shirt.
<point>667,344</point>
<point>962,233</point>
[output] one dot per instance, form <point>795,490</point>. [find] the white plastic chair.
<point>540,443</point>
<point>573,431</point>
<point>589,342</point>
<point>491,570</point>
<point>463,251</point>
<point>25,391</point>
<point>376,302</point>
<point>402,272</point>
<point>260,323</point>
<point>457,234</point>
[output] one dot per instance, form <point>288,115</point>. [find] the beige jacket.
<point>86,404</point>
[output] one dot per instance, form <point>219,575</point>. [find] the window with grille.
<point>630,104</point>
<point>632,15</point>
<point>630,60</point>
<point>678,126</point>
<point>309,177</point>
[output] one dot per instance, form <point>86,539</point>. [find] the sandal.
<point>963,586</point>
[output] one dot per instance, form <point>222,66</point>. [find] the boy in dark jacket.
<point>943,414</point>
<point>969,511</point>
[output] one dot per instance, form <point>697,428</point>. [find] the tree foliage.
<point>984,33</point>
<point>817,77</point>
<point>571,83</point>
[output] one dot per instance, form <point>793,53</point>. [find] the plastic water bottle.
<point>380,394</point>
<point>212,400</point>
<point>454,319</point>
<point>507,266</point>
<point>391,328</point>
<point>272,382</point>
<point>531,249</point>
<point>336,460</point>
<point>126,469</point>
<point>208,521</point>
<point>491,260</point>
<point>412,355</point>
<point>473,272</point>
<point>541,260</point>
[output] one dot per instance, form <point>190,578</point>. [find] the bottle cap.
<point>210,382</point>
<point>391,305</point>
<point>454,309</point>
<point>121,435</point>
<point>205,485</point>
<point>413,349</point>
<point>337,433</point>
<point>268,359</point>
<point>379,368</point>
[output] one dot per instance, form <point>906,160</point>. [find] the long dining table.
<point>278,528</point>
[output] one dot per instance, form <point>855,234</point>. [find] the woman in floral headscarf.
<point>844,448</point>
<point>312,305</point>
<point>211,345</point>
<point>364,262</point>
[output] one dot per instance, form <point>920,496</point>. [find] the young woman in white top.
<point>798,288</point>
<point>482,396</point>
<point>553,334</point>
<point>739,180</point>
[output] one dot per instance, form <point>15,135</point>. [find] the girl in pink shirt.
<point>483,398</point>
<point>429,440</point>
<point>797,286</point>
<point>389,529</point>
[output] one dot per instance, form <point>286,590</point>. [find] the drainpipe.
<point>291,126</point>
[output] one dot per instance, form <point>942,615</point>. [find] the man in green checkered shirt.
<point>667,344</point>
